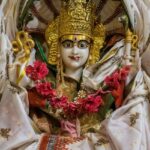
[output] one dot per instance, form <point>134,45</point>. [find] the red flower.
<point>38,71</point>
<point>92,103</point>
<point>58,102</point>
<point>45,89</point>
<point>124,72</point>
<point>116,82</point>
<point>71,107</point>
<point>118,94</point>
<point>113,80</point>
<point>72,110</point>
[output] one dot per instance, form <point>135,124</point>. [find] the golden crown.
<point>76,17</point>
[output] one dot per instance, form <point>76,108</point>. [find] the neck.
<point>74,73</point>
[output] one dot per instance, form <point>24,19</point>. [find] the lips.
<point>76,58</point>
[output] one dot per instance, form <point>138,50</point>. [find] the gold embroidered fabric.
<point>5,132</point>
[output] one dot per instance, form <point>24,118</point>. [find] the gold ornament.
<point>81,94</point>
<point>23,43</point>
<point>51,36</point>
<point>134,42</point>
<point>129,36</point>
<point>76,18</point>
<point>132,38</point>
<point>98,41</point>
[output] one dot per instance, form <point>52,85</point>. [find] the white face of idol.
<point>74,52</point>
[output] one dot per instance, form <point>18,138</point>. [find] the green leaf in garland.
<point>41,55</point>
<point>108,102</point>
<point>47,105</point>
<point>41,50</point>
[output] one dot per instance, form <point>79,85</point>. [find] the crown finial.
<point>76,17</point>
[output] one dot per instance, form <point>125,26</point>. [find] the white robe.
<point>118,131</point>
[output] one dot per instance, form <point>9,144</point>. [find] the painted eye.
<point>67,44</point>
<point>83,44</point>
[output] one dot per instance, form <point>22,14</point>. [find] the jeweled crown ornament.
<point>76,18</point>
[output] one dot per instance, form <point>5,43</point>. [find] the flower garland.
<point>116,84</point>
<point>89,104</point>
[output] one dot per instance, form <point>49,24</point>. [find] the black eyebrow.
<point>84,41</point>
<point>67,41</point>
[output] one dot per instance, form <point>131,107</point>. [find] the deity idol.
<point>74,41</point>
<point>72,97</point>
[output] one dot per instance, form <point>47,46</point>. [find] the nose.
<point>75,50</point>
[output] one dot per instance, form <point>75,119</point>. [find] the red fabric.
<point>118,94</point>
<point>35,100</point>
<point>44,142</point>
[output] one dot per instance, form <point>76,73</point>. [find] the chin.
<point>74,66</point>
